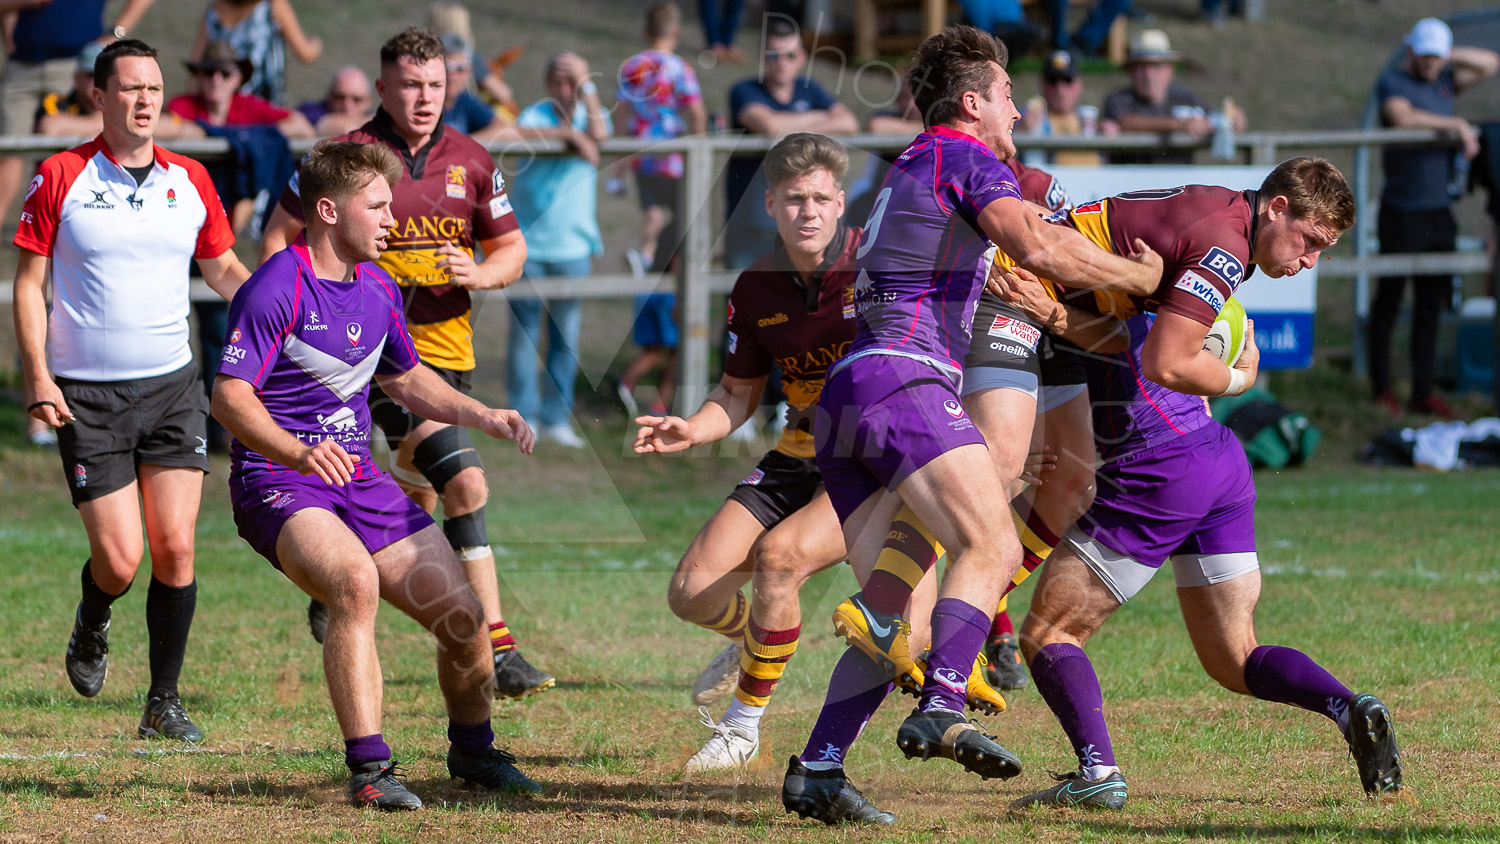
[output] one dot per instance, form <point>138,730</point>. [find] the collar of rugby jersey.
<point>383,127</point>
<point>782,261</point>
<point>1252,197</point>
<point>956,135</point>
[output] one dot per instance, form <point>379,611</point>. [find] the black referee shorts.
<point>120,425</point>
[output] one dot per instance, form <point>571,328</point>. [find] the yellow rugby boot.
<point>882,637</point>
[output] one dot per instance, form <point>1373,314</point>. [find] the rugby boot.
<point>490,768</point>
<point>720,677</point>
<point>1073,790</point>
<point>827,796</point>
<point>87,660</point>
<point>165,718</point>
<point>516,678</point>
<point>1006,671</point>
<point>881,637</point>
<point>942,732</point>
<point>727,749</point>
<point>317,619</point>
<point>1372,741</point>
<point>379,785</point>
<point>981,696</point>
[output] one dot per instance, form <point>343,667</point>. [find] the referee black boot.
<point>87,661</point>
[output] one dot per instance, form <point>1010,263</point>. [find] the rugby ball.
<point>1226,337</point>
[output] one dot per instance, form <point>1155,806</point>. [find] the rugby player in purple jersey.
<point>891,432</point>
<point>308,331</point>
<point>1174,483</point>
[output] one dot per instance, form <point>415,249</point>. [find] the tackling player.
<point>314,324</point>
<point>1158,443</point>
<point>452,199</point>
<point>893,439</point>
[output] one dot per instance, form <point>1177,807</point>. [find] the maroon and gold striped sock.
<point>731,622</point>
<point>763,661</point>
<point>500,638</point>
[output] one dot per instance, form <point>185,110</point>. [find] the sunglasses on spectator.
<point>223,72</point>
<point>353,98</point>
<point>781,55</point>
<point>457,67</point>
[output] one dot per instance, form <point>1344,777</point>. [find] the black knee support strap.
<point>443,455</point>
<point>467,531</point>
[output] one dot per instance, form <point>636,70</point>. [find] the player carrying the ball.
<point>1174,483</point>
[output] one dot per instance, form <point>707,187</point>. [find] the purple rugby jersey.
<point>1131,412</point>
<point>310,346</point>
<point>921,263</point>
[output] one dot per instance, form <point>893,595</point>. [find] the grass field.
<point>1388,577</point>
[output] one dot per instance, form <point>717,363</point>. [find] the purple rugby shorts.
<point>374,507</point>
<point>881,418</point>
<point>1192,495</point>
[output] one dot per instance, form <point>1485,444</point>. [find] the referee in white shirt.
<point>120,220</point>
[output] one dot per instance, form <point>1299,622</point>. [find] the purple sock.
<point>471,738</point>
<point>958,632</point>
<point>1066,679</point>
<point>358,751</point>
<point>1287,675</point>
<point>855,690</point>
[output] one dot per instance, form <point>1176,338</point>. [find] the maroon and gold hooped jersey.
<point>803,329</point>
<point>451,193</point>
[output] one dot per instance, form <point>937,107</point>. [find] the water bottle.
<point>1088,120</point>
<point>1223,141</point>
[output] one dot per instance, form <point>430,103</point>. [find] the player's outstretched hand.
<point>662,434</point>
<point>1039,464</point>
<point>44,401</point>
<point>329,461</point>
<point>462,270</point>
<point>505,424</point>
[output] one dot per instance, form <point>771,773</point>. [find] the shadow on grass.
<point>36,785</point>
<point>1129,831</point>
<point>703,802</point>
<point>123,701</point>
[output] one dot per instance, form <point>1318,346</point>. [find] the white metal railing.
<point>698,279</point>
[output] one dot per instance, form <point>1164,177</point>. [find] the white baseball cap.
<point>1430,37</point>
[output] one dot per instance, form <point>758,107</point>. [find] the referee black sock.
<point>94,610</point>
<point>169,616</point>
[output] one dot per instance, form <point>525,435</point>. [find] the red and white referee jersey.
<point>120,257</point>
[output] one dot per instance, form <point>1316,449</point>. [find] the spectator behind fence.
<point>1421,184</point>
<point>555,200</point>
<point>1153,104</point>
<point>453,19</point>
<point>260,30</point>
<point>345,107</point>
<point>657,98</point>
<point>216,99</point>
<point>780,101</point>
<point>44,41</point>
<point>1090,36</point>
<point>1057,113</point>
<point>462,108</point>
